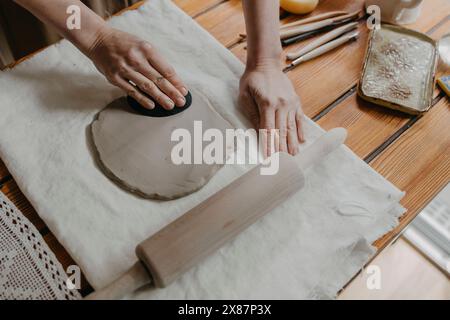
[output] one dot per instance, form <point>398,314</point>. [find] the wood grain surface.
<point>3,171</point>
<point>196,7</point>
<point>225,22</point>
<point>418,163</point>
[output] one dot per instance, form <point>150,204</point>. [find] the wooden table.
<point>412,152</point>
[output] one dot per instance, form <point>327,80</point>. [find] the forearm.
<point>262,25</point>
<point>55,14</point>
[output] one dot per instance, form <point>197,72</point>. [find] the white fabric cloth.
<point>303,249</point>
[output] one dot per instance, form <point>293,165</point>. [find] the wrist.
<point>96,40</point>
<point>85,39</point>
<point>267,56</point>
<point>263,63</point>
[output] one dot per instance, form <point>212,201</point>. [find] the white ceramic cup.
<point>398,11</point>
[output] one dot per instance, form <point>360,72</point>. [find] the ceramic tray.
<point>399,69</point>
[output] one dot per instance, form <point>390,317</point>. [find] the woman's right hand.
<point>129,62</point>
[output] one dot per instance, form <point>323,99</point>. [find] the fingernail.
<point>150,105</point>
<point>181,101</point>
<point>184,91</point>
<point>170,104</point>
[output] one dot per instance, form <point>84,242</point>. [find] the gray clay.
<point>135,150</point>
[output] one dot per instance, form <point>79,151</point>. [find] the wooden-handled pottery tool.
<point>315,18</point>
<point>322,40</point>
<point>294,31</point>
<point>182,244</point>
<point>323,49</point>
<point>300,22</point>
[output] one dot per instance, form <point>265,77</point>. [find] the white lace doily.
<point>28,268</point>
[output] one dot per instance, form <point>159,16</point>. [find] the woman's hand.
<point>125,60</point>
<point>129,62</point>
<point>268,97</point>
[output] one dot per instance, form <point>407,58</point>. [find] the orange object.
<point>299,6</point>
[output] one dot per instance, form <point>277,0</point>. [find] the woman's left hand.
<point>268,97</point>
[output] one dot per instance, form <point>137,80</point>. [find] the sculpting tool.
<point>315,18</point>
<point>182,244</point>
<point>323,49</point>
<point>322,40</point>
<point>306,35</point>
<point>290,32</point>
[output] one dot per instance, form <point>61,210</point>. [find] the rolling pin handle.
<point>136,277</point>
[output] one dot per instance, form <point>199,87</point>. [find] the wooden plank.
<point>12,191</point>
<point>3,171</point>
<point>191,7</point>
<point>369,125</point>
<point>196,7</point>
<point>418,163</point>
<point>225,22</point>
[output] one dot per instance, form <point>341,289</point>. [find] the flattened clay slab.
<point>134,150</point>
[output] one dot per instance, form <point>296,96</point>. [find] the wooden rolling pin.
<point>182,244</point>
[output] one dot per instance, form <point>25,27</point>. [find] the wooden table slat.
<point>418,163</point>
<point>368,125</point>
<point>196,7</point>
<point>3,171</point>
<point>225,22</point>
